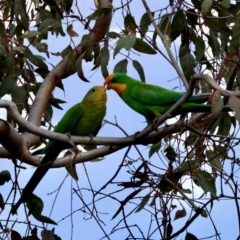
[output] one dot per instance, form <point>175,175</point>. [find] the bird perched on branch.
<point>82,119</point>
<point>151,100</point>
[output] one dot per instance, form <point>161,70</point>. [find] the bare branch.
<point>214,85</point>
<point>13,142</point>
<point>166,45</point>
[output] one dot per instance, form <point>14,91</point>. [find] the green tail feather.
<point>46,162</point>
<point>195,108</point>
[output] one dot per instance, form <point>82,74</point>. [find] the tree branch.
<point>146,136</point>
<point>166,45</point>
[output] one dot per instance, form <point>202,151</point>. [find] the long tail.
<point>41,170</point>
<point>195,107</point>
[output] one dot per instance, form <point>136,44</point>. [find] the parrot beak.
<point>107,82</point>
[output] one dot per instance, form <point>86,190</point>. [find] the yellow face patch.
<point>118,87</point>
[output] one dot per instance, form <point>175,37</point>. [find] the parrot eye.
<point>93,90</point>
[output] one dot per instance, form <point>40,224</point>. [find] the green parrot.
<point>151,100</point>
<point>82,119</point>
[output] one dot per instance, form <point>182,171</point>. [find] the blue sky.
<point>157,71</point>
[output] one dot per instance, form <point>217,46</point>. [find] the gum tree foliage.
<point>158,198</point>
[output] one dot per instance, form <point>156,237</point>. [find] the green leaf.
<point>192,17</point>
<point>2,29</point>
<point>99,13</point>
<point>224,40</point>
<point>179,24</point>
<point>15,235</point>
<point>215,24</point>
<point>170,153</point>
<point>20,97</point>
<point>188,64</point>
<point>180,213</point>
<point>209,66</point>
<point>139,69</point>
<point>169,229</point>
<point>67,5</point>
<point>30,34</point>
<point>113,35</point>
<point>154,148</point>
<point>191,140</point>
<point>35,206</point>
<point>234,41</point>
<point>217,103</point>
<point>47,235</point>
<point>165,28</point>
<point>35,59</point>
<point>143,203</point>
<point>129,23</point>
<point>121,66</point>
<point>126,42</point>
<point>7,65</point>
<point>214,159</point>
<point>71,169</point>
<point>143,47</point>
<point>234,104</point>
<point>224,125</point>
<point>104,56</point>
<point>55,102</point>
<point>5,176</point>
<point>80,69</point>
<point>213,43</point>
<point>3,52</point>
<point>199,48</point>
<point>42,72</point>
<point>7,84</point>
<point>188,191</point>
<point>48,113</point>
<point>225,3</point>
<point>190,236</point>
<point>71,32</point>
<point>42,47</point>
<point>206,6</point>
<point>145,22</point>
<point>221,151</point>
<point>205,181</point>
<point>19,49</point>
<point>66,51</point>
<point>214,126</point>
<point>47,23</point>
<point>2,204</point>
<point>188,166</point>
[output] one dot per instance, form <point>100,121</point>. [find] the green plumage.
<point>150,100</point>
<point>82,119</point>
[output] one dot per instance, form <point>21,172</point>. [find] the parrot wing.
<point>51,151</point>
<point>153,95</point>
<point>67,123</point>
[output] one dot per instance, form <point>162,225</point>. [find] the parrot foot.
<point>72,144</point>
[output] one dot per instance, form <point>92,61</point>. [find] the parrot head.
<point>96,93</point>
<point>117,82</point>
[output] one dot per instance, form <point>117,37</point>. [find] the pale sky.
<point>157,71</point>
